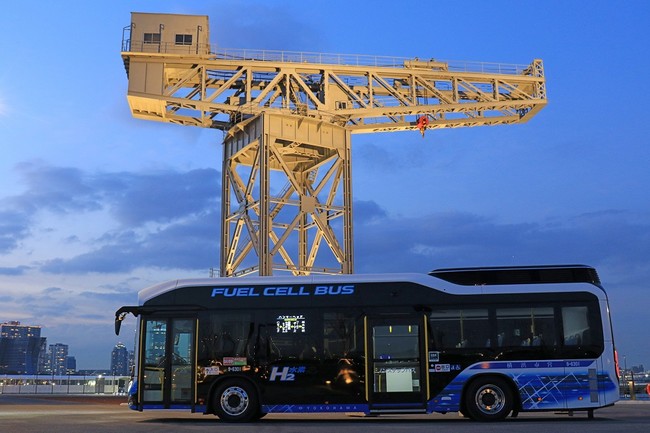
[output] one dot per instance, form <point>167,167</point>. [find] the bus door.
<point>167,378</point>
<point>397,379</point>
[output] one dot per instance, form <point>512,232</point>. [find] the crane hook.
<point>423,122</point>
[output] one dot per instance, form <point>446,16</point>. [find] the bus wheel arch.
<point>489,397</point>
<point>235,399</point>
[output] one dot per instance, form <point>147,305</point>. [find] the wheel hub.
<point>490,400</point>
<point>234,400</point>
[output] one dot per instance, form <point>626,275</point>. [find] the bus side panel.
<point>608,382</point>
<point>609,395</point>
<point>581,383</point>
<point>542,385</point>
<point>539,384</point>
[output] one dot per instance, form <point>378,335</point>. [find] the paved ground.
<point>83,414</point>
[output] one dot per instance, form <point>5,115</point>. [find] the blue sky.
<point>86,218</point>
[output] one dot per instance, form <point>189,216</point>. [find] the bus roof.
<point>453,280</point>
<point>518,275</point>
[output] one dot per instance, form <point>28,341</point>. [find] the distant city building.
<point>131,360</point>
<point>58,358</point>
<point>44,361</point>
<point>637,368</point>
<point>24,351</point>
<point>70,365</point>
<point>120,360</point>
<point>20,347</point>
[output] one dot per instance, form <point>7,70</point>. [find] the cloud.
<point>368,211</point>
<point>48,303</point>
<point>57,189</point>
<point>154,212</point>
<point>52,290</point>
<point>616,242</point>
<point>14,227</point>
<point>133,198</point>
<point>112,297</point>
<point>136,199</point>
<point>170,220</point>
<point>190,244</point>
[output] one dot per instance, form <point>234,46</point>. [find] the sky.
<point>96,205</point>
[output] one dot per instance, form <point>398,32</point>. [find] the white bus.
<point>485,342</point>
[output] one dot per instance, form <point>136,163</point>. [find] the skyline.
<point>97,205</point>
<point>30,353</point>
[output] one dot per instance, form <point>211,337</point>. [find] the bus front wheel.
<point>488,399</point>
<point>236,401</point>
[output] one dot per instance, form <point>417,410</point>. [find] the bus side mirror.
<point>118,324</point>
<point>121,314</point>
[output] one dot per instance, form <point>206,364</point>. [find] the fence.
<point>68,384</point>
<point>637,389</point>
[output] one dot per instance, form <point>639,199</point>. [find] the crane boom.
<point>363,93</point>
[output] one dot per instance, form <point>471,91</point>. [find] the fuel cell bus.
<point>485,342</point>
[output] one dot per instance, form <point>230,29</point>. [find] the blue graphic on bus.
<point>548,387</point>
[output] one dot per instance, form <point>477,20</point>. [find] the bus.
<point>485,342</point>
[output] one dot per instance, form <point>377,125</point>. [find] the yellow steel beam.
<point>219,92</point>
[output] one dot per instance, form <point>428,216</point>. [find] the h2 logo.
<point>283,375</point>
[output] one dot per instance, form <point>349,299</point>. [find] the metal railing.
<point>242,54</point>
<point>364,60</point>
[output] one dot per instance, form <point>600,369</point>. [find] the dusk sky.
<point>96,205</point>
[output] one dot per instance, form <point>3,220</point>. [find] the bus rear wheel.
<point>236,401</point>
<point>488,399</point>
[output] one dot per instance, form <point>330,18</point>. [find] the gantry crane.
<point>287,119</point>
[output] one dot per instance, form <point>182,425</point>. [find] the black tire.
<point>488,399</point>
<point>236,401</point>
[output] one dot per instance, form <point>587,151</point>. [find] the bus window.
<point>460,329</point>
<point>582,331</point>
<point>396,342</point>
<point>153,375</point>
<point>576,326</point>
<point>340,339</point>
<point>224,335</point>
<point>156,334</point>
<point>525,326</point>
